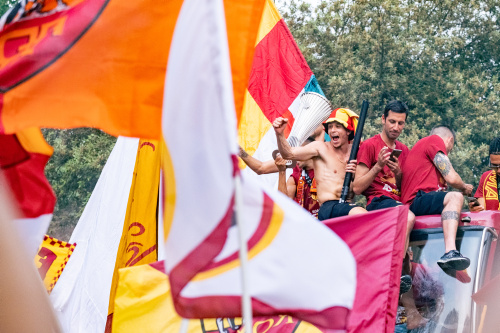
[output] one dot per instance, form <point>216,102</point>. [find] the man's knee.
<point>454,198</point>
<point>411,219</point>
<point>357,210</point>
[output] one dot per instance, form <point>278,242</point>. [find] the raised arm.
<point>365,176</point>
<point>443,164</point>
<point>281,165</point>
<point>293,153</point>
<point>257,166</point>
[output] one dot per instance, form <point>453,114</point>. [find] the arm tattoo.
<point>442,162</point>
<point>243,153</point>
<point>449,215</point>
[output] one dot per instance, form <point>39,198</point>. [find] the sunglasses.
<point>494,166</point>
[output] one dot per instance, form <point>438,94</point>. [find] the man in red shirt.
<point>426,172</point>
<point>487,191</point>
<point>378,177</point>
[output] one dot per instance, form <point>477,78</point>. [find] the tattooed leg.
<point>450,215</point>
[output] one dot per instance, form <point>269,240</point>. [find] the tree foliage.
<point>73,170</point>
<point>6,4</point>
<point>439,56</point>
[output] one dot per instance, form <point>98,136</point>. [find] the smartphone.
<point>474,201</point>
<point>395,153</point>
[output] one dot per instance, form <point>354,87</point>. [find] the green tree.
<point>73,170</point>
<point>6,4</point>
<point>441,57</point>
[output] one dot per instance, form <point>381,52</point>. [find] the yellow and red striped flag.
<point>279,75</point>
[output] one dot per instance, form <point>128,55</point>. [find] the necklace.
<point>341,160</point>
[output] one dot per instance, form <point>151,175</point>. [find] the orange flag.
<point>101,63</point>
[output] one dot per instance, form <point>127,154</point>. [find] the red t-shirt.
<point>385,181</point>
<point>419,171</point>
<point>303,195</point>
<point>488,190</point>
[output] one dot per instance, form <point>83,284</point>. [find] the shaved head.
<point>443,131</point>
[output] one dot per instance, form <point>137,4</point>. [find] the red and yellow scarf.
<point>490,191</point>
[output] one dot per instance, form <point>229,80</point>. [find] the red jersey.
<point>419,171</point>
<point>488,189</point>
<point>385,181</point>
<point>306,194</point>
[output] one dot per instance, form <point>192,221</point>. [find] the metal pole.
<point>246,301</point>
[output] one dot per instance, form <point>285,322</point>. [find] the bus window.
<point>439,301</point>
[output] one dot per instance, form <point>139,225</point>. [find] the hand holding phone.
<point>395,154</point>
<point>473,201</point>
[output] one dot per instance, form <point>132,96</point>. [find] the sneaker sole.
<point>457,264</point>
<point>405,285</point>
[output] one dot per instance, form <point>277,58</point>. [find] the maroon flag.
<point>376,240</point>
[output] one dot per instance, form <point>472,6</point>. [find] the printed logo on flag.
<point>36,33</point>
<point>52,257</point>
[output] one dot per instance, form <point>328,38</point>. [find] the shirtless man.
<point>262,168</point>
<point>330,161</point>
<point>301,185</point>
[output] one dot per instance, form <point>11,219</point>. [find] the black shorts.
<point>382,202</point>
<point>334,208</point>
<point>428,203</point>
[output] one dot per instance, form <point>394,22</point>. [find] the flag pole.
<point>243,252</point>
<point>354,150</point>
<point>184,325</point>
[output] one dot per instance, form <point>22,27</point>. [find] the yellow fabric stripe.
<point>140,224</point>
<point>253,126</point>
<point>270,17</point>
<point>33,141</point>
<point>144,302</point>
<point>264,242</point>
<point>169,190</point>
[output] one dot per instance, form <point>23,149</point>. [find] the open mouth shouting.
<point>335,138</point>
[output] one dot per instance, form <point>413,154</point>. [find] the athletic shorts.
<point>382,202</point>
<point>431,203</point>
<point>334,208</point>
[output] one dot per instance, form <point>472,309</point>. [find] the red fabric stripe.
<point>289,125</point>
<point>265,221</point>
<point>212,307</point>
<point>279,72</point>
<point>199,257</point>
<point>159,265</point>
<point>30,187</point>
<point>2,128</point>
<point>11,151</point>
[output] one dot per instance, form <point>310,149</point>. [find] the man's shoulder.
<point>402,146</point>
<point>373,140</point>
<point>486,174</point>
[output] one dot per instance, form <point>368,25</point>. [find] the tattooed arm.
<point>257,166</point>
<point>443,164</point>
